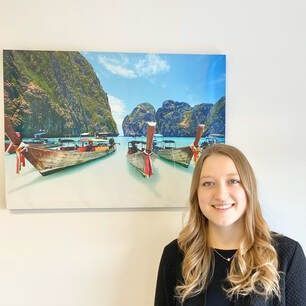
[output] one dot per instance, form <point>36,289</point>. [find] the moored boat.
<point>37,141</point>
<point>182,155</point>
<point>9,147</point>
<point>66,144</point>
<point>212,139</point>
<point>47,160</point>
<point>140,154</point>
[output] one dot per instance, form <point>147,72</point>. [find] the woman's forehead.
<point>218,164</point>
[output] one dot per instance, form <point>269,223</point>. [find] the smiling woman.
<point>226,254</point>
<point>221,196</point>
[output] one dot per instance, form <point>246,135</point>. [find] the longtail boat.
<point>182,155</point>
<point>9,147</point>
<point>212,139</point>
<point>37,141</point>
<point>140,154</point>
<point>47,160</point>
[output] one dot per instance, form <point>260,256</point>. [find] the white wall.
<point>110,258</point>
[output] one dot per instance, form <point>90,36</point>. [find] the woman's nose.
<point>221,193</point>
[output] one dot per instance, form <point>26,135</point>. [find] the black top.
<point>292,264</point>
<point>215,294</point>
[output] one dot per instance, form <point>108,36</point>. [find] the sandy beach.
<point>109,182</point>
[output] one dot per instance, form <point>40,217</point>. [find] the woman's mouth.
<point>223,207</point>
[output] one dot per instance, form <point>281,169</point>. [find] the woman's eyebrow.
<point>206,176</point>
<point>212,177</point>
<point>232,174</point>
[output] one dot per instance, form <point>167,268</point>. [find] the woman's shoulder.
<point>283,243</point>
<point>286,248</point>
<point>172,251</point>
<point>172,247</point>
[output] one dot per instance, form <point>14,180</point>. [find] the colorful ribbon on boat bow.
<point>148,164</point>
<point>20,158</point>
<point>10,146</point>
<point>195,151</point>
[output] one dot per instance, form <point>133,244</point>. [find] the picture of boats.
<point>212,139</point>
<point>48,161</point>
<point>126,127</point>
<point>183,155</point>
<point>140,154</point>
<point>37,140</point>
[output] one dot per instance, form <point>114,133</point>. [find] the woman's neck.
<point>225,238</point>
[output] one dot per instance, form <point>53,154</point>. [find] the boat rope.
<point>195,151</point>
<point>148,170</point>
<point>20,158</point>
<point>147,153</point>
<point>10,146</point>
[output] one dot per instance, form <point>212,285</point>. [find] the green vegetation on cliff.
<point>56,91</point>
<point>216,119</point>
<point>135,124</point>
<point>176,119</point>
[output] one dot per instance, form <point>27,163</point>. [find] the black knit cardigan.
<point>292,264</point>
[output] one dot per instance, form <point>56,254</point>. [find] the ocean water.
<point>109,182</point>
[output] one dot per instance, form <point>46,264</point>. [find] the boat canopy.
<point>103,134</point>
<point>85,134</point>
<point>215,135</point>
<point>66,140</point>
<point>99,140</point>
<point>137,142</point>
<point>40,133</point>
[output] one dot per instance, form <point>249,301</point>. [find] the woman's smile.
<point>223,207</point>
<point>222,198</point>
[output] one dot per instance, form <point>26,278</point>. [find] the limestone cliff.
<point>55,91</point>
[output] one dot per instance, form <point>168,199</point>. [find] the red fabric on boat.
<point>20,158</point>
<point>17,164</point>
<point>195,152</point>
<point>148,165</point>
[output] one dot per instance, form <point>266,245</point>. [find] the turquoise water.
<point>109,182</point>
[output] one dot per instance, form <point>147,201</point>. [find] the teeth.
<point>222,206</point>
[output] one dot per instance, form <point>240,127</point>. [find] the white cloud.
<point>124,59</point>
<point>116,104</point>
<point>151,65</point>
<point>116,67</point>
<point>118,111</point>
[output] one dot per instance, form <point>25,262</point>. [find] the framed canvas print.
<point>108,129</point>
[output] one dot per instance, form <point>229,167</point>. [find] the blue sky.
<point>133,78</point>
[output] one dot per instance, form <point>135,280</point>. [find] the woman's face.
<point>222,198</point>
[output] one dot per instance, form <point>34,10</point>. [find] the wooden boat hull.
<point>49,161</point>
<point>138,160</point>
<point>181,156</point>
<point>10,149</point>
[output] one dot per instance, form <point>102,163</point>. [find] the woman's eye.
<point>234,181</point>
<point>207,184</point>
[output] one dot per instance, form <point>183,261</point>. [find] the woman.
<point>226,255</point>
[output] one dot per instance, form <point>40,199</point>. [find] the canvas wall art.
<point>108,129</point>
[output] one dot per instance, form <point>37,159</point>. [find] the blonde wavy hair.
<point>254,268</point>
